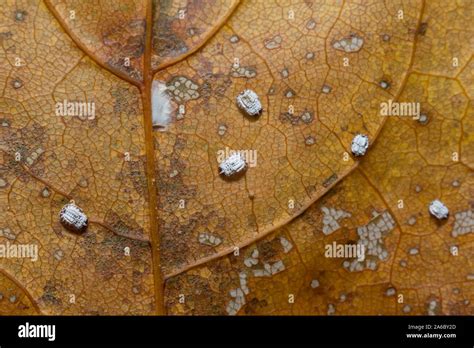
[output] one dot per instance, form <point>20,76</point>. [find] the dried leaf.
<point>167,234</point>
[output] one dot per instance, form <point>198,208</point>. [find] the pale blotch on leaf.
<point>273,42</point>
<point>349,44</point>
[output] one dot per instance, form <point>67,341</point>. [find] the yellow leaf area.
<point>167,234</point>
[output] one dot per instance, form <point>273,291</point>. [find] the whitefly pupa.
<point>73,218</point>
<point>249,102</point>
<point>360,144</point>
<point>233,165</point>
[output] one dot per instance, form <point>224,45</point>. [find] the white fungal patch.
<point>311,24</point>
<point>45,193</point>
<point>384,84</point>
<point>17,83</point>
<point>255,253</point>
<point>183,89</point>
<point>250,262</point>
<point>350,44</point>
<point>286,244</point>
<point>273,43</point>
<point>253,259</point>
<point>83,182</point>
<point>423,119</point>
<point>326,89</point>
<point>331,309</point>
<point>232,165</point>
<point>236,304</point>
<point>7,233</point>
<point>20,15</point>
<point>277,267</point>
<point>371,237</point>
<point>438,209</point>
<point>243,282</point>
<point>31,159</point>
<point>360,144</point>
<point>463,223</point>
<point>314,283</point>
<point>269,269</point>
<point>307,117</point>
<point>309,140</point>
<point>238,295</point>
<point>161,107</point>
<point>249,102</point>
<point>73,218</point>
<point>221,129</point>
<point>209,239</point>
<point>59,254</point>
<point>331,218</point>
<point>244,71</point>
<point>234,39</point>
<point>289,93</point>
<point>413,251</point>
<point>433,307</point>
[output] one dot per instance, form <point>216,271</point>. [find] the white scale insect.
<point>438,209</point>
<point>73,218</point>
<point>232,165</point>
<point>249,102</point>
<point>359,145</point>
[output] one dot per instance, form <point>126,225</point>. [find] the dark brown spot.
<point>422,29</point>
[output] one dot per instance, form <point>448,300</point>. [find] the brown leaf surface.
<point>167,234</point>
<point>63,158</point>
<point>410,162</point>
<point>300,139</point>
<point>14,299</point>
<point>181,27</point>
<point>315,281</point>
<point>112,32</point>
